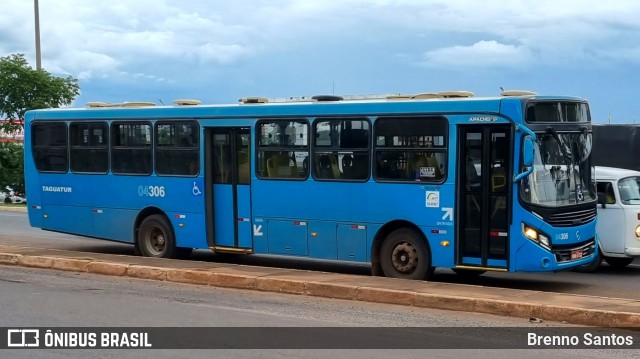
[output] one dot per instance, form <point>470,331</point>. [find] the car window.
<point>605,191</point>
<point>629,189</point>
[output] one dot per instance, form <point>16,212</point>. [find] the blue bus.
<point>405,183</point>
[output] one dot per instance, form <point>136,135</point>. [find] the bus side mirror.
<point>527,152</point>
<point>528,149</point>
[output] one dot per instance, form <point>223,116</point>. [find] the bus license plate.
<point>577,254</point>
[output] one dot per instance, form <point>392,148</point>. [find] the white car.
<point>11,198</point>
<point>618,224</point>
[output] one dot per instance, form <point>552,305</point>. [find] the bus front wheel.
<point>155,238</point>
<point>404,254</point>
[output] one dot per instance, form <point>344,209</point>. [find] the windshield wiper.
<point>567,156</point>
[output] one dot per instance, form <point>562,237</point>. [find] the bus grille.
<point>568,219</point>
<point>563,252</point>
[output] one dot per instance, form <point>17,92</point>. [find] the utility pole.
<point>36,12</point>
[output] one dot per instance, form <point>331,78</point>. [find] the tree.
<point>22,89</point>
<point>12,166</point>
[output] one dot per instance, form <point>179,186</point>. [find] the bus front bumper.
<point>533,257</point>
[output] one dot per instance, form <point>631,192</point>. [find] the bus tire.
<point>618,262</point>
<point>155,238</point>
<point>591,267</point>
<point>404,254</point>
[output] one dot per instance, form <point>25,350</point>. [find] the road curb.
<point>13,209</point>
<point>326,288</point>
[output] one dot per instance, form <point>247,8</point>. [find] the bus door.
<point>228,159</point>
<point>484,183</point>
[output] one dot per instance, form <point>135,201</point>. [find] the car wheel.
<point>618,262</point>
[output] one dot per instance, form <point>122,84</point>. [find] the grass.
<point>13,205</point>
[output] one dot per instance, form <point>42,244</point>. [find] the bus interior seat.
<point>334,166</point>
<point>413,165</point>
<point>355,166</point>
<point>432,161</point>
<point>280,166</point>
<point>324,169</point>
<point>347,166</point>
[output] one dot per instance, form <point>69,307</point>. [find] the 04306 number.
<point>150,191</point>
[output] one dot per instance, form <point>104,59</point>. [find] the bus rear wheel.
<point>404,254</point>
<point>155,238</point>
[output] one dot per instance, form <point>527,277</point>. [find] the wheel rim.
<point>155,241</point>
<point>404,258</point>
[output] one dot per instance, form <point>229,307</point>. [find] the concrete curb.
<point>582,310</point>
<point>13,209</point>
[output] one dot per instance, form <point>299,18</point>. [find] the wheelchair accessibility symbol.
<point>196,190</point>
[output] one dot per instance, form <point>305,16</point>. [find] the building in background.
<point>15,136</point>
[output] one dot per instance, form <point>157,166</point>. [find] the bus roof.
<point>442,102</point>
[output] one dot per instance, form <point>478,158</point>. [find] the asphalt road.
<point>44,298</point>
<point>606,282</point>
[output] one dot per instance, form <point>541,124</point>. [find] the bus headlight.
<point>544,240</point>
<point>638,231</point>
<point>530,233</point>
<point>536,236</point>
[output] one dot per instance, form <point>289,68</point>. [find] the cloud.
<point>134,33</point>
<point>481,54</point>
<point>288,47</point>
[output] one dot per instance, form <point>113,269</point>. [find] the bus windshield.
<point>562,171</point>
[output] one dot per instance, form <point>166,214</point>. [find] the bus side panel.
<point>260,236</point>
<point>189,229</point>
<point>68,219</point>
<point>360,207</point>
<point>104,220</point>
<point>352,243</point>
<point>34,198</point>
<point>288,237</point>
<point>441,245</point>
<point>322,240</point>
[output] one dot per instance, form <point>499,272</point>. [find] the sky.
<point>219,51</point>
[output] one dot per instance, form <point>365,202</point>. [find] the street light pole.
<point>36,12</point>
